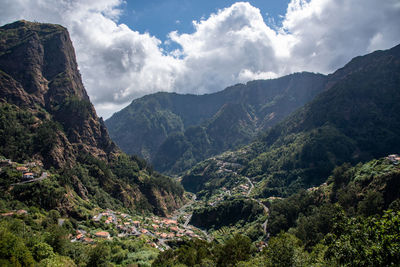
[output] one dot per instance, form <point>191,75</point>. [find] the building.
<point>174,229</point>
<point>169,222</point>
<point>28,175</point>
<point>163,235</point>
<point>394,158</point>
<point>103,234</point>
<point>22,212</point>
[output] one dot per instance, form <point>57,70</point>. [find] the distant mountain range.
<point>355,119</point>
<point>176,131</point>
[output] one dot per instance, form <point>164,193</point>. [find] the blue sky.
<point>160,17</point>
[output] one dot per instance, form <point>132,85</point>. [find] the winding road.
<point>223,167</point>
<point>266,210</point>
<point>42,177</point>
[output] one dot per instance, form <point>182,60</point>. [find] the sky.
<point>129,48</point>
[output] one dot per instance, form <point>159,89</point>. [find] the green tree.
<point>42,251</point>
<point>13,251</point>
<point>282,250</point>
<point>366,242</point>
<point>100,255</point>
<point>238,248</point>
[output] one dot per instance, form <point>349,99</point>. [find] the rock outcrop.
<point>38,71</point>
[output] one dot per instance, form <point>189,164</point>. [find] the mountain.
<point>47,117</point>
<point>355,119</point>
<point>351,219</point>
<point>176,131</point>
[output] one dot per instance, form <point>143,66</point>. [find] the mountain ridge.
<point>354,120</point>
<point>153,121</point>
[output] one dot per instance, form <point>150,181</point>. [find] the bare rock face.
<point>38,71</point>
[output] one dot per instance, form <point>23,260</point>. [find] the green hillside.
<point>355,119</point>
<point>176,131</point>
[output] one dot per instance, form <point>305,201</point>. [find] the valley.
<point>301,170</point>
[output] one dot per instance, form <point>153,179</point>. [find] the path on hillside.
<point>42,177</point>
<point>181,212</point>
<point>251,186</point>
<point>223,166</point>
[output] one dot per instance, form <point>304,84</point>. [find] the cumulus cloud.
<point>233,45</point>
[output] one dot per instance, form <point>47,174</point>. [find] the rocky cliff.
<point>46,116</point>
<point>38,72</point>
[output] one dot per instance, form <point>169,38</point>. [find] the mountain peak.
<point>38,70</point>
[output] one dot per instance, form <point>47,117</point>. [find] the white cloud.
<point>233,45</point>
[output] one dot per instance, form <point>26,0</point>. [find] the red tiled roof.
<point>102,234</point>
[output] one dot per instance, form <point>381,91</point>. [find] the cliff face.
<point>38,71</point>
<point>46,116</point>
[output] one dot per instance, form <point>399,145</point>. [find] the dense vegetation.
<point>177,131</point>
<point>36,239</point>
<point>227,213</point>
<point>22,137</point>
<point>355,119</point>
<point>352,220</point>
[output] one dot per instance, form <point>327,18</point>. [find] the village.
<point>30,172</point>
<point>157,231</point>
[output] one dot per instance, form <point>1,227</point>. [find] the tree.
<point>13,251</point>
<point>366,242</point>
<point>100,255</point>
<point>238,248</point>
<point>282,250</point>
<point>42,251</point>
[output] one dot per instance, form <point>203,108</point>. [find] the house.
<point>7,214</point>
<point>136,223</point>
<point>22,212</point>
<point>102,234</point>
<point>394,158</point>
<point>155,226</point>
<point>171,235</point>
<point>28,175</point>
<point>189,233</point>
<point>79,237</point>
<point>244,187</point>
<point>168,222</point>
<point>144,231</point>
<point>163,235</point>
<point>22,169</point>
<point>175,229</point>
